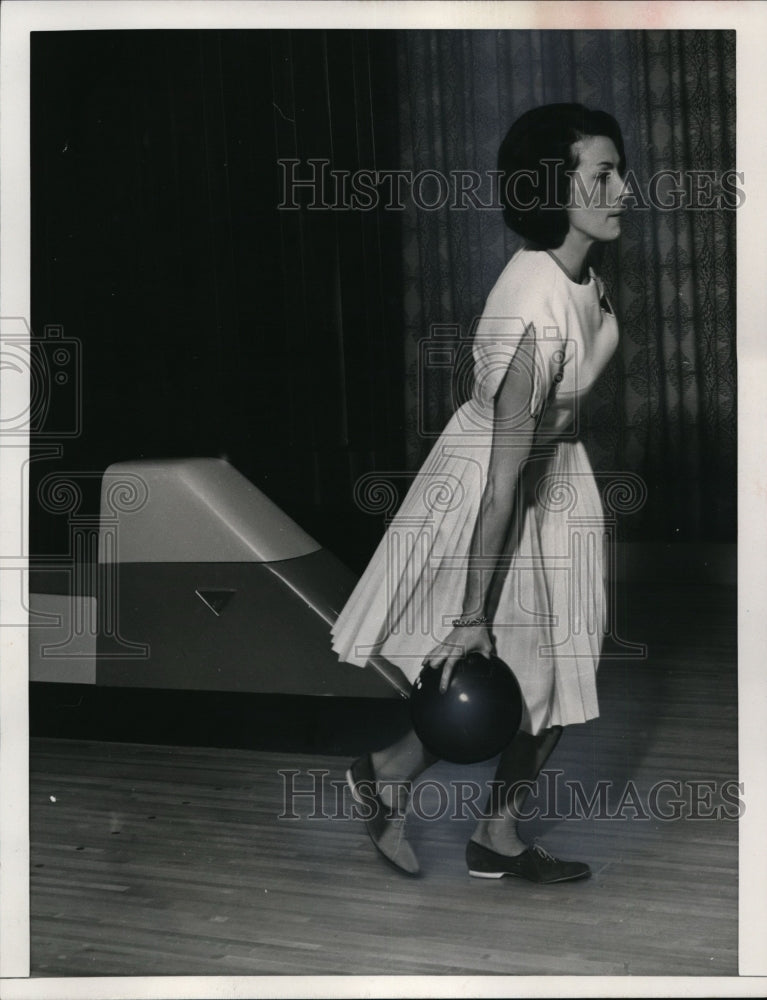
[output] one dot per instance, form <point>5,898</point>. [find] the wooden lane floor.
<point>157,860</point>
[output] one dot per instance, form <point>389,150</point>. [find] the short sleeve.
<point>536,348</point>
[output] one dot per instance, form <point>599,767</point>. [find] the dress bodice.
<point>564,333</point>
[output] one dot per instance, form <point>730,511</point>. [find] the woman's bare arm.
<point>513,428</point>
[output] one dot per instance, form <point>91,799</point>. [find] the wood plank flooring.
<point>158,860</point>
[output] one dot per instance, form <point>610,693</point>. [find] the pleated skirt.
<point>546,595</point>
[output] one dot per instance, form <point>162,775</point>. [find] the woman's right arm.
<point>513,428</point>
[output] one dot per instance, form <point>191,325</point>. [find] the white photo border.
<point>20,17</point>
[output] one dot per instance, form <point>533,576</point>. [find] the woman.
<point>497,546</point>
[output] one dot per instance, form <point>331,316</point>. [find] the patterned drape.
<point>665,407</point>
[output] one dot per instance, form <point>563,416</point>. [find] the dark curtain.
<point>665,408</point>
<point>212,321</point>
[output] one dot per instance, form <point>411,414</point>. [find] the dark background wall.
<point>211,322</point>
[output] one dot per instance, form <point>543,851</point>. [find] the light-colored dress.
<point>547,596</point>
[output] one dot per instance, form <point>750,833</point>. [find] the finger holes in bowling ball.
<point>476,718</point>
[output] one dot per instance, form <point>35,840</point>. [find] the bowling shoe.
<point>386,827</point>
<point>534,864</point>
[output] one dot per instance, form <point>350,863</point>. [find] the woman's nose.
<point>622,193</point>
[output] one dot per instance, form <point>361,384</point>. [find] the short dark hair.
<point>538,153</point>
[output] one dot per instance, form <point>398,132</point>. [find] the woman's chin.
<point>613,236</point>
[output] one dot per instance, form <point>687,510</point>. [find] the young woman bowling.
<point>497,546</point>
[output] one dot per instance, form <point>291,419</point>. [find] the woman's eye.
<point>602,178</point>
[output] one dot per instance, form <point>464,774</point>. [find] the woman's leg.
<point>386,775</point>
<point>522,761</point>
<point>397,765</point>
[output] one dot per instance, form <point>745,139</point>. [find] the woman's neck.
<point>573,254</point>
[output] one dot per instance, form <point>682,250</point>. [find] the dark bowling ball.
<point>478,715</point>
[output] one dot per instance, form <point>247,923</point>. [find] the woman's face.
<point>596,190</point>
